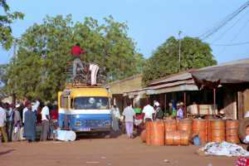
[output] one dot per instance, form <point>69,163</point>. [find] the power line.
<point>224,22</point>
<point>229,28</point>
<point>240,30</point>
<point>232,44</point>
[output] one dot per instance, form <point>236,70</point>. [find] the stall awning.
<point>132,94</point>
<point>174,83</point>
<point>178,88</point>
<point>230,73</point>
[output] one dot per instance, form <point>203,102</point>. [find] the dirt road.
<point>104,152</point>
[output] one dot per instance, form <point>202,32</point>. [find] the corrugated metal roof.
<point>174,83</point>
<point>125,79</point>
<point>229,73</point>
<point>128,84</point>
<point>241,61</point>
<point>172,78</point>
<point>186,87</point>
<point>135,93</point>
<point>170,84</point>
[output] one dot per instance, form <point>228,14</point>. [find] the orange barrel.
<point>177,138</point>
<point>184,138</point>
<point>170,125</point>
<point>217,130</point>
<point>232,127</point>
<point>200,127</point>
<point>169,137</point>
<point>209,118</point>
<point>148,132</point>
<point>185,125</point>
<point>143,136</point>
<point>157,133</point>
<point>209,135</point>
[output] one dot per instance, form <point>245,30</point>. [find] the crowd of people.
<point>19,122</point>
<point>131,119</point>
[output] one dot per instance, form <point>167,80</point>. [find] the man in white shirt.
<point>45,122</point>
<point>149,112</point>
<point>17,124</point>
<point>36,106</point>
<point>115,117</point>
<point>2,123</point>
<point>25,109</point>
<point>129,115</point>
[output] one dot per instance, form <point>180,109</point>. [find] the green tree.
<point>39,69</point>
<point>6,19</point>
<point>3,79</point>
<point>109,46</point>
<point>165,60</point>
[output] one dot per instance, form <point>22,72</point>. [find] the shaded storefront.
<point>233,79</point>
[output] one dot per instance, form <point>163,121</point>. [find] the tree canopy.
<point>165,60</point>
<point>39,67</point>
<point>6,19</point>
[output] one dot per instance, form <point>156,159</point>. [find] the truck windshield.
<point>91,103</point>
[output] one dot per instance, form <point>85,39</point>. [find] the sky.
<point>150,22</point>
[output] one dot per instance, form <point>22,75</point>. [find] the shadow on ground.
<point>6,152</point>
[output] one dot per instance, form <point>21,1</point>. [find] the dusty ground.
<point>100,152</point>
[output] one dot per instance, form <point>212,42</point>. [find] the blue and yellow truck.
<point>85,109</point>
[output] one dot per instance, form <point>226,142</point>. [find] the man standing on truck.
<point>76,52</point>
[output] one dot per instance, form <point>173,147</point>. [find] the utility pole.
<point>179,50</point>
<point>15,42</point>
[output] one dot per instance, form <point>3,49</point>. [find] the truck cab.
<point>85,109</point>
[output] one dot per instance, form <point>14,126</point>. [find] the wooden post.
<point>214,94</point>
<point>185,106</point>
<point>240,106</point>
<point>165,101</point>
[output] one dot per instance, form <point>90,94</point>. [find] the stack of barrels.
<point>216,130</point>
<point>168,132</point>
<point>200,128</point>
<point>232,127</point>
<point>155,133</point>
<point>179,132</point>
<point>171,137</point>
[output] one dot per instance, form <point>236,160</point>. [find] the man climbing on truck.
<point>76,52</point>
<point>92,68</point>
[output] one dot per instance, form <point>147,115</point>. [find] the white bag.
<point>15,130</point>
